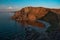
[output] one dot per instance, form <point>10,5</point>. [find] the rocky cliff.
<point>29,15</point>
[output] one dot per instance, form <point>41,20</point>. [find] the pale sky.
<point>17,4</point>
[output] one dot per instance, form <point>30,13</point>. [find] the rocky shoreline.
<point>29,15</point>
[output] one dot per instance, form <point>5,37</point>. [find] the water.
<point>40,30</point>
<point>10,28</point>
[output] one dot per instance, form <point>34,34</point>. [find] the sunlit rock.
<point>30,15</point>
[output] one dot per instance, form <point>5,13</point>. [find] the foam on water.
<point>39,29</point>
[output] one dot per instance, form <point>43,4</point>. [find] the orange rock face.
<point>29,15</point>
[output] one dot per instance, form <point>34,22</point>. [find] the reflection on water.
<point>10,28</point>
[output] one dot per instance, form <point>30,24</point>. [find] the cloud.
<point>10,7</point>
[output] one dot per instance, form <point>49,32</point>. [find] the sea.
<point>12,30</point>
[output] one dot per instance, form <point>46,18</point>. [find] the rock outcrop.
<point>29,15</point>
<point>55,11</point>
<point>51,18</point>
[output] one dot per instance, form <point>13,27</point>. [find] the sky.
<point>18,4</point>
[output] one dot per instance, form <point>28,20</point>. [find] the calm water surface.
<point>10,28</point>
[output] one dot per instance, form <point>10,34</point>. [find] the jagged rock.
<point>52,18</point>
<point>29,15</point>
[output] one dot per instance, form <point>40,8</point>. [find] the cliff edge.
<point>29,15</point>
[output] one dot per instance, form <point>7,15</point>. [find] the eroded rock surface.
<point>29,15</point>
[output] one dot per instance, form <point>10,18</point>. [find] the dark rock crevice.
<point>51,18</point>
